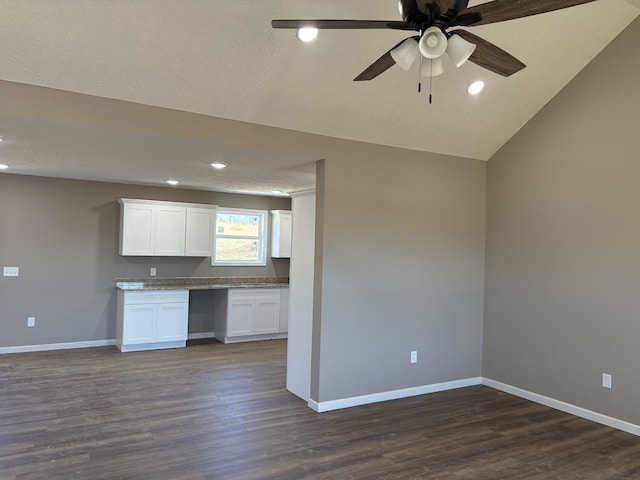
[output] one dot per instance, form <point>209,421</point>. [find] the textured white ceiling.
<point>222,58</point>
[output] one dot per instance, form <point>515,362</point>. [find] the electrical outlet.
<point>31,321</point>
<point>11,271</point>
<point>606,380</point>
<point>152,272</point>
<point>414,356</point>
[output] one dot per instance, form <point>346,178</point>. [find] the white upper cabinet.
<point>281,233</point>
<point>165,229</point>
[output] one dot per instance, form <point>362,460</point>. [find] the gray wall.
<point>563,243</point>
<point>401,269</point>
<point>63,234</point>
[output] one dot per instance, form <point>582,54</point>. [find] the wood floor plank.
<point>215,411</point>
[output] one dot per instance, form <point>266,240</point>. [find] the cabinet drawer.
<point>253,293</point>
<point>156,297</point>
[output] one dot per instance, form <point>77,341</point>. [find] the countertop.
<point>199,283</point>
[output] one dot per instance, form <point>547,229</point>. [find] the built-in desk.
<point>153,313</point>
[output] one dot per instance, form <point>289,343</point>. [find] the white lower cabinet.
<point>244,314</point>
<point>152,319</point>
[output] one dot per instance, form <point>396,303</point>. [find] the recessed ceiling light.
<point>172,182</point>
<point>3,166</point>
<point>475,88</point>
<point>218,165</point>
<point>307,34</point>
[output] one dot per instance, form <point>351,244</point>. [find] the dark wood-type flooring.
<point>214,411</point>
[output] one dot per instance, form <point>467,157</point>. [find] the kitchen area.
<point>153,313</point>
<point>89,276</point>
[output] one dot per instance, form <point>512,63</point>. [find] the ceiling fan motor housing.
<point>410,11</point>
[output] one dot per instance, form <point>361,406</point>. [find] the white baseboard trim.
<point>564,407</point>
<point>254,338</point>
<point>391,395</point>
<point>57,346</point>
<point>199,336</point>
<point>88,344</point>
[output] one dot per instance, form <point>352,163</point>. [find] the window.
<point>240,237</point>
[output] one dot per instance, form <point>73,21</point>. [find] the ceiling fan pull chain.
<point>420,76</point>
<point>430,79</point>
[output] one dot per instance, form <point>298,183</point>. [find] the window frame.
<point>262,238</point>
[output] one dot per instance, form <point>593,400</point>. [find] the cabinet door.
<point>170,230</point>
<point>240,317</point>
<point>139,324</point>
<point>284,310</point>
<point>200,223</point>
<point>138,227</point>
<point>285,235</point>
<point>172,321</point>
<point>267,314</point>
<point>281,234</point>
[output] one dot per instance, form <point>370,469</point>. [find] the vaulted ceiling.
<point>223,59</point>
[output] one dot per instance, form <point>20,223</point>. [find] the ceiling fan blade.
<point>502,10</point>
<point>384,63</point>
<point>342,24</point>
<point>491,57</point>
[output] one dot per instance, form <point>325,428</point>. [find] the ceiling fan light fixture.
<point>433,43</point>
<point>405,54</point>
<point>432,67</point>
<point>307,34</point>
<point>459,50</point>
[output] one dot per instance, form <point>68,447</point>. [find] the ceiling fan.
<point>432,19</point>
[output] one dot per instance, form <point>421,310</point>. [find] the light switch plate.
<point>11,271</point>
